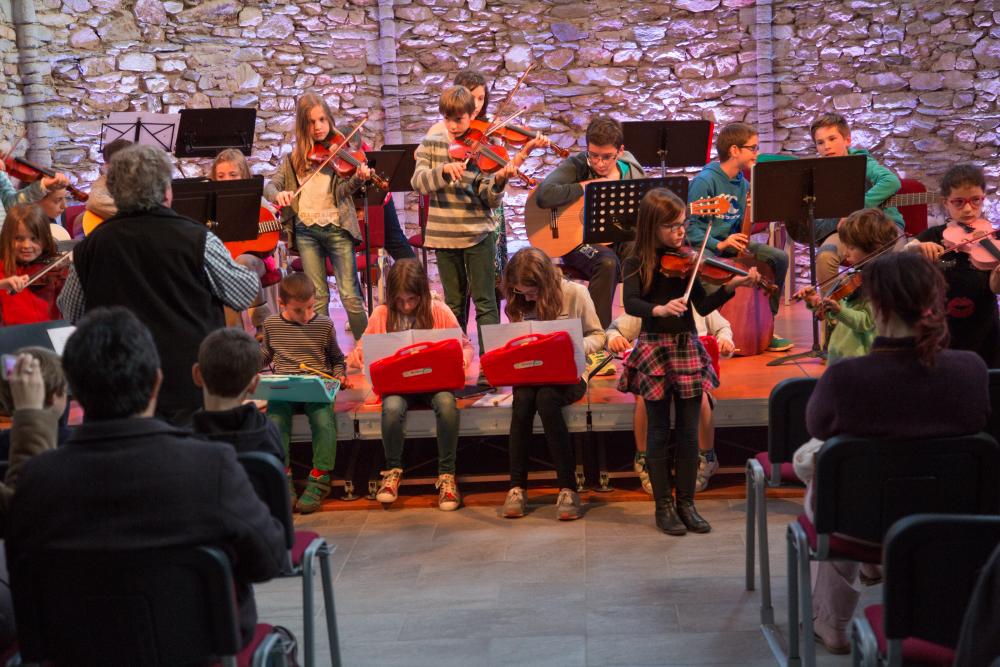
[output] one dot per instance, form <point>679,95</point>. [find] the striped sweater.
<point>288,344</point>
<point>461,213</point>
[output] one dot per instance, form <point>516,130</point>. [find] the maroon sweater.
<point>890,394</point>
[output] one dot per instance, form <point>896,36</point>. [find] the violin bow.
<point>510,95</point>
<point>333,153</point>
<point>884,248</point>
<point>694,269</point>
<point>54,264</point>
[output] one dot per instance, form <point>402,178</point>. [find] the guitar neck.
<point>269,226</point>
<point>913,199</point>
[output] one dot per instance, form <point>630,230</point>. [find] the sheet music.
<point>380,346</point>
<point>498,335</point>
<point>59,336</point>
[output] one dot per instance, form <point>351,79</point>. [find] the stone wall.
<point>918,80</point>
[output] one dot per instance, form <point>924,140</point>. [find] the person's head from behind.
<point>660,224</point>
<point>737,144</point>
<point>456,107</point>
<point>50,367</point>
<point>475,83</point>
<point>112,365</point>
<point>113,147</point>
<point>963,188</point>
<point>25,237</point>
<point>866,231</point>
<point>605,144</point>
<point>228,364</point>
<point>297,298</point>
<point>229,165</point>
<point>53,204</point>
<point>532,283</point>
<point>907,294</point>
<point>408,293</point>
<point>139,179</point>
<point>831,134</point>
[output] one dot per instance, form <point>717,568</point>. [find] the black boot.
<point>663,497</point>
<point>687,475</point>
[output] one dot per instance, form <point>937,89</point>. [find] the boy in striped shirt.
<point>299,335</point>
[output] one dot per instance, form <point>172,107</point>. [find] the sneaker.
<point>639,465</point>
<point>779,344</point>
<point>515,505</point>
<point>595,359</point>
<point>449,498</point>
<point>568,505</point>
<point>389,491</point>
<point>317,489</point>
<point>706,469</point>
<point>292,493</point>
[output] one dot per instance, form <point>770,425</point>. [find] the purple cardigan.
<point>890,394</point>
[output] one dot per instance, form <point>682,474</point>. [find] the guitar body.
<point>90,222</point>
<point>749,312</point>
<point>268,234</point>
<point>554,231</point>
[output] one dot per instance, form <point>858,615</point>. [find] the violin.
<point>49,272</point>
<point>515,135</point>
<point>678,264</point>
<point>975,240</point>
<point>26,172</point>
<point>346,162</point>
<point>472,145</point>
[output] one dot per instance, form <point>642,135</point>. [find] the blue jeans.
<point>394,409</point>
<point>778,259</point>
<point>315,245</point>
<point>396,243</point>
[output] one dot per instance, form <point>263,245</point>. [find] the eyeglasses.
<point>755,148</point>
<point>671,226</point>
<point>594,157</point>
<point>960,202</point>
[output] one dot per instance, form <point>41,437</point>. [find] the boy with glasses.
<point>604,160</point>
<point>737,147</point>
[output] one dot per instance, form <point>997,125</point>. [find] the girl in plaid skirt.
<point>668,361</point>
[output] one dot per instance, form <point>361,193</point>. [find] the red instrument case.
<point>532,359</point>
<point>420,368</point>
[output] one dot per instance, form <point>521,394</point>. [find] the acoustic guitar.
<point>912,199</point>
<point>557,231</point>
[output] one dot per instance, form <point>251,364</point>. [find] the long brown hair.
<point>912,288</point>
<point>471,79</point>
<point>303,135</point>
<point>408,276</point>
<point>34,220</point>
<point>658,205</point>
<point>530,267</point>
<point>234,156</point>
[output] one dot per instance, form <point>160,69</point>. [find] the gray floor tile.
<point>567,651</point>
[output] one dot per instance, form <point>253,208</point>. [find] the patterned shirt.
<point>288,344</point>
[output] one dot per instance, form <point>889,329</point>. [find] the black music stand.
<point>150,129</point>
<point>611,208</point>
<point>669,143</point>
<point>231,209</point>
<point>796,189</point>
<point>205,132</point>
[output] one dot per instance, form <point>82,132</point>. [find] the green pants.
<point>471,271</point>
<point>322,423</point>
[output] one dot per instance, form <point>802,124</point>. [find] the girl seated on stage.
<point>535,290</point>
<point>27,247</point>
<point>409,305</point>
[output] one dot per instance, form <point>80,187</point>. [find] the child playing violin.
<point>862,233</point>
<point>669,363</point>
<point>409,305</point>
<point>322,218</point>
<point>27,247</point>
<point>973,318</point>
<point>10,196</point>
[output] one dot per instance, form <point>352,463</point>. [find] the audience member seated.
<point>226,372</point>
<point>908,387</point>
<point>126,480</point>
<point>53,400</point>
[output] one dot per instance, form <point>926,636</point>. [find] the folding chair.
<point>305,549</point>
<point>149,607</point>
<point>862,487</point>
<point>930,567</point>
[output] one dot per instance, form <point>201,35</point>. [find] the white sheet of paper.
<point>380,346</point>
<point>498,335</point>
<point>59,336</point>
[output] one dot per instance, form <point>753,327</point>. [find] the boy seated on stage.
<point>297,341</point>
<point>227,373</point>
<point>737,147</point>
<point>832,137</point>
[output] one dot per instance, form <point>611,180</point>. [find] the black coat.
<point>245,428</point>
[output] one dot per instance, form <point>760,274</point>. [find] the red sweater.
<point>32,304</point>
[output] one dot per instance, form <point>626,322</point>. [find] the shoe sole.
<point>386,500</point>
<point>517,514</point>
<point>783,348</point>
<point>568,516</point>
<point>673,533</point>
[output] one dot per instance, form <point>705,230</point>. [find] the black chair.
<point>993,423</point>
<point>862,487</point>
<point>786,432</point>
<point>930,565</point>
<point>305,549</point>
<point>153,607</point>
<point>979,642</point>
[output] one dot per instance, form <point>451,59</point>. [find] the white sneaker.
<point>568,505</point>
<point>515,505</point>
<point>449,498</point>
<point>389,490</point>
<point>639,465</point>
<point>705,471</point>
<point>596,359</point>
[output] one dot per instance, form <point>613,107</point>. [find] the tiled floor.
<point>424,587</point>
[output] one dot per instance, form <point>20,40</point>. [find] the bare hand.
<point>540,141</point>
<point>27,388</point>
<point>14,283</point>
<point>931,251</point>
<point>364,172</point>
<point>454,170</point>
<point>830,306</point>
<point>672,308</point>
<point>750,279</point>
<point>60,180</point>
<point>726,348</point>
<point>284,198</point>
<point>809,295</point>
<point>737,242</point>
<point>618,344</point>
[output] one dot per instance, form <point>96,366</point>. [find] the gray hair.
<point>138,178</point>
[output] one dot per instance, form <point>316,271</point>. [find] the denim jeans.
<point>315,245</point>
<point>396,243</point>
<point>394,409</point>
<point>322,423</point>
<point>548,401</point>
<point>471,270</point>
<point>778,259</point>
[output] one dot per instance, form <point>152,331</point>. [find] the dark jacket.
<point>245,428</point>
<point>562,186</point>
<point>138,484</point>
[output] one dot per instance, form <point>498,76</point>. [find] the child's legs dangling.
<point>446,412</point>
<point>394,408</point>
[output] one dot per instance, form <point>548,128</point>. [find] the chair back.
<point>932,563</point>
<point>786,421</point>
<point>914,217</point>
<point>173,606</point>
<point>71,216</point>
<point>864,486</point>
<point>271,484</point>
<point>993,423</point>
